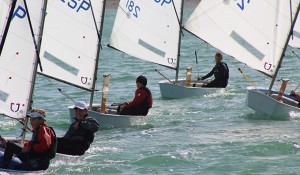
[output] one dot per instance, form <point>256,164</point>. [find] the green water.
<point>214,134</point>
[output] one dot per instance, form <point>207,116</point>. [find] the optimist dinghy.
<point>155,37</point>
<point>241,29</point>
<point>72,57</point>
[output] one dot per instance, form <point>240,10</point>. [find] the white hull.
<point>178,90</point>
<point>268,107</point>
<point>112,120</point>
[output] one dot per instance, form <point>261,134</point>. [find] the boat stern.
<point>268,107</point>
<point>179,90</point>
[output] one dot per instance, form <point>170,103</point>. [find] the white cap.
<point>35,114</point>
<point>79,105</point>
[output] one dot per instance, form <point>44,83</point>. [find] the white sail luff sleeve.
<point>4,12</point>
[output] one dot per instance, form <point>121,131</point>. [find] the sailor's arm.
<point>208,75</point>
<point>140,96</point>
<point>90,124</point>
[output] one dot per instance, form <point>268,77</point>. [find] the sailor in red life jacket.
<point>37,153</point>
<point>293,93</point>
<point>142,101</point>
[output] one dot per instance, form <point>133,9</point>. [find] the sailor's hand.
<point>25,149</point>
<point>3,140</point>
<point>76,125</point>
<point>292,93</point>
<point>199,78</point>
<point>122,108</point>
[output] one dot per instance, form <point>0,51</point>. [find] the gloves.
<point>199,78</point>
<point>293,93</point>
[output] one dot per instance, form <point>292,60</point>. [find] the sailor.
<point>142,101</point>
<point>220,71</point>
<point>80,134</point>
<point>297,96</point>
<point>36,153</point>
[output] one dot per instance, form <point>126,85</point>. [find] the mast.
<point>40,33</point>
<point>9,19</point>
<point>284,49</point>
<point>180,33</point>
<point>98,50</point>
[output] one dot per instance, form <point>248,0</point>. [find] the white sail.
<point>295,40</point>
<point>70,41</point>
<point>17,61</point>
<point>148,30</point>
<point>253,32</point>
<point>4,10</point>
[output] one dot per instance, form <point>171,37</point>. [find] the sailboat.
<point>70,53</point>
<point>19,57</point>
<point>256,33</point>
<point>136,33</point>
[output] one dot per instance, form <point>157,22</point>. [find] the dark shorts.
<point>216,84</point>
<point>71,147</point>
<point>133,111</point>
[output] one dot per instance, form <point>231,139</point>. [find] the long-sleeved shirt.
<point>140,96</point>
<point>85,132</point>
<point>44,139</point>
<point>220,71</point>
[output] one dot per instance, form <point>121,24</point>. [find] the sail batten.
<point>253,32</point>
<point>148,30</point>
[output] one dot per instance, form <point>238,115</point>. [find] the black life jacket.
<point>218,75</point>
<point>84,134</point>
<point>50,153</point>
<point>145,103</point>
<point>227,71</point>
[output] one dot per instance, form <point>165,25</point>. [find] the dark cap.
<point>141,79</point>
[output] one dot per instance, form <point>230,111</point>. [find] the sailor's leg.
<point>71,147</point>
<point>34,165</point>
<point>118,109</point>
<point>11,148</point>
<point>135,111</point>
<point>218,84</point>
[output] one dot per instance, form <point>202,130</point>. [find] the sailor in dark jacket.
<point>220,71</point>
<point>142,101</point>
<point>80,134</point>
<point>36,153</point>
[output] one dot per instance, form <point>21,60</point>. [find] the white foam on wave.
<point>294,115</point>
<point>103,149</point>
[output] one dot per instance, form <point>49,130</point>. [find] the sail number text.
<point>133,8</point>
<point>73,4</point>
<point>241,4</point>
<point>162,2</point>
